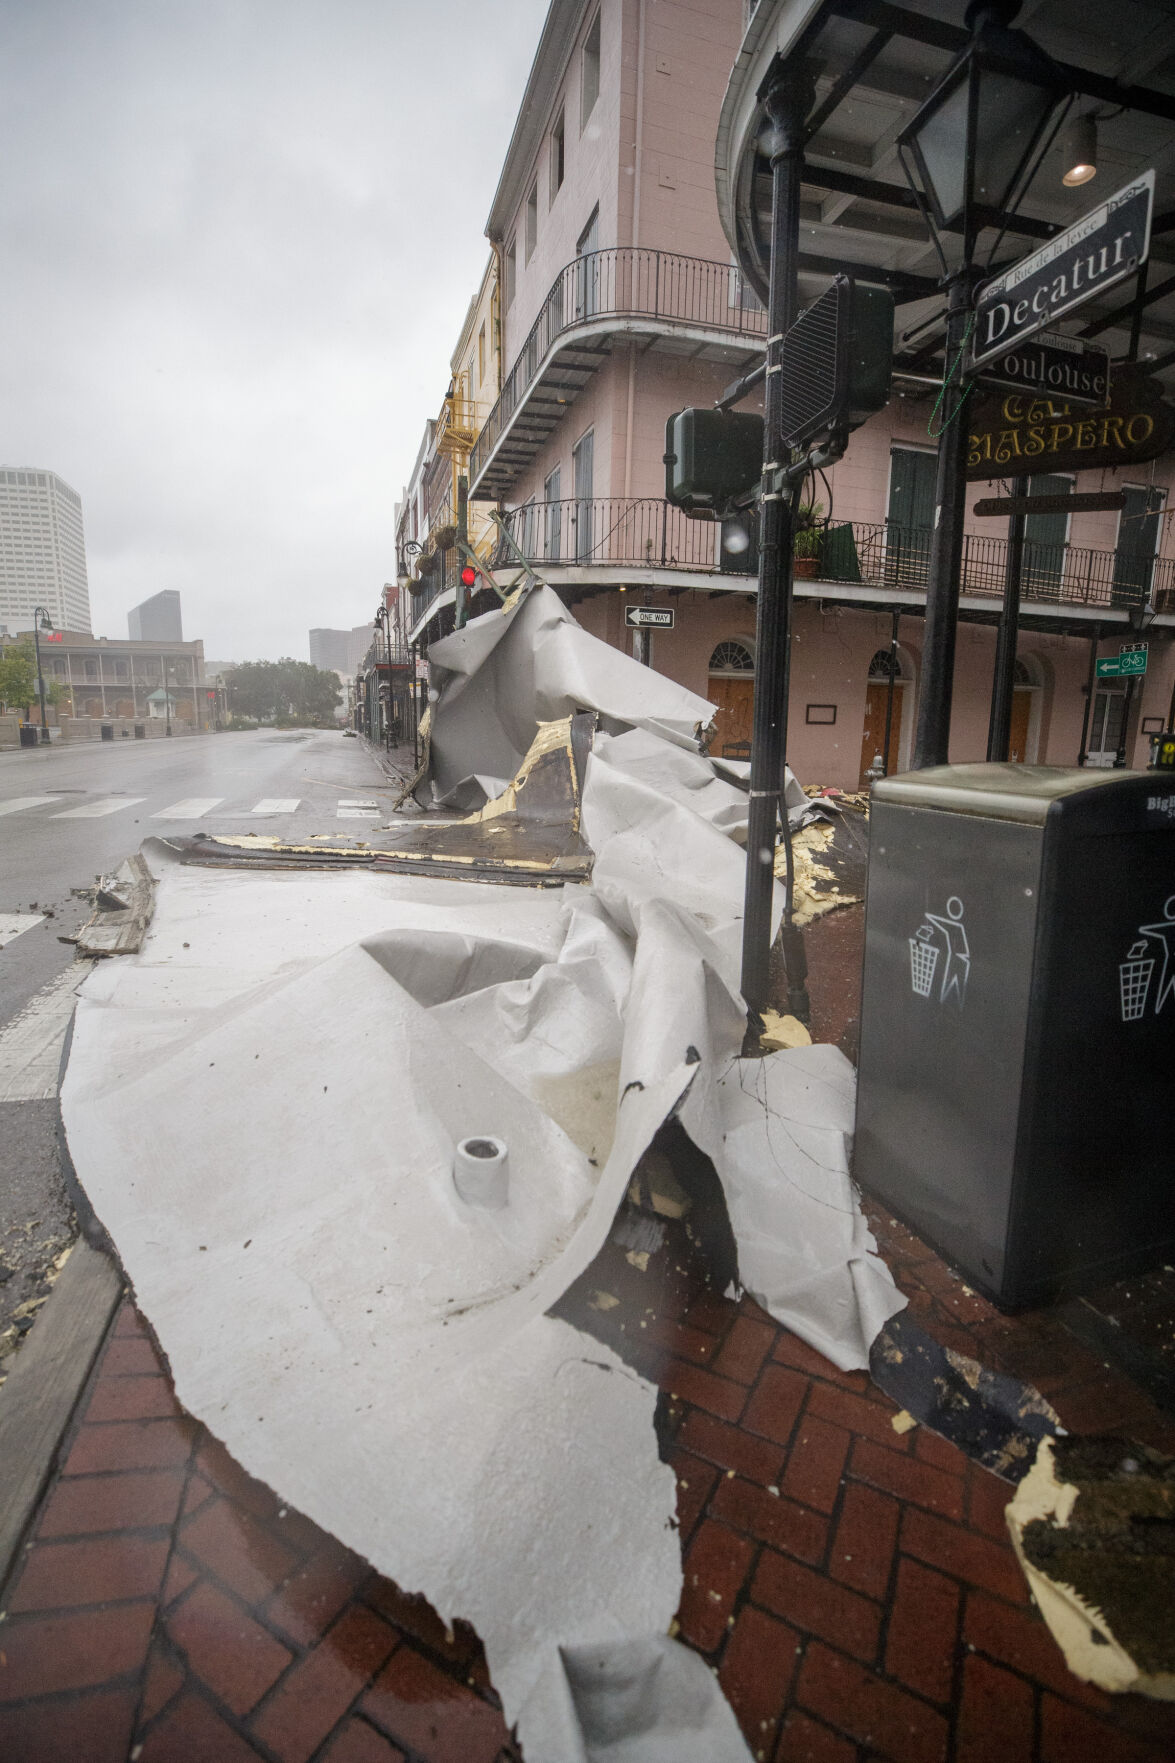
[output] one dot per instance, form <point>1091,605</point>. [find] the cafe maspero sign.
<point>1102,248</point>
<point>1014,432</point>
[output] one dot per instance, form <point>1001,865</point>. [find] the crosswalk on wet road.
<point>188,808</point>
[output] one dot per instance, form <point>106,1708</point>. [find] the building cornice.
<point>547,70</point>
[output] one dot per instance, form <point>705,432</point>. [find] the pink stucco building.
<point>619,303</point>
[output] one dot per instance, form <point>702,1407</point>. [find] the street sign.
<point>1056,367</point>
<point>1091,502</point>
<point>649,617</point>
<point>1130,661</point>
<point>1103,248</point>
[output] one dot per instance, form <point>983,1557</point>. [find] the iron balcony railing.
<point>612,530</point>
<point>624,282</point>
<point>650,533</point>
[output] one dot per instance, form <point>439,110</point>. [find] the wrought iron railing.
<point>882,554</point>
<point>648,532</point>
<point>624,282</point>
<point>643,531</point>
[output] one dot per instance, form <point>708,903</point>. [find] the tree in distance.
<point>285,691</point>
<point>18,674</point>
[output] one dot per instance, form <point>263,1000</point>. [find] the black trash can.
<point>107,731</point>
<point>1017,1058</point>
<point>28,734</point>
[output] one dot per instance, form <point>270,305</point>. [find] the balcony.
<point>684,305</point>
<point>602,542</point>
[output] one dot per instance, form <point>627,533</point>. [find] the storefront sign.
<point>1103,248</point>
<point>1017,432</point>
<point>1063,367</point>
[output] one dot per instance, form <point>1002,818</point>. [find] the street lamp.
<point>41,622</point>
<point>975,136</point>
<point>973,143</point>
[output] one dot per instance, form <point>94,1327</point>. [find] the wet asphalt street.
<point>68,815</point>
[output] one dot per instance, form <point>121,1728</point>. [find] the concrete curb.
<point>42,1390</point>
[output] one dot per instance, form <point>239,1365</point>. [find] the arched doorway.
<point>732,689</point>
<point>877,695</point>
<point>1024,726</point>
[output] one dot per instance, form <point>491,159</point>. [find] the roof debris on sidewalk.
<point>1093,1525</point>
<point>381,1351</point>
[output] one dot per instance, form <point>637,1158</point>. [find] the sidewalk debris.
<point>384,1354</point>
<point>1093,1525</point>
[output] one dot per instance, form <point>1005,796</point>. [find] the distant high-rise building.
<point>42,550</point>
<point>156,620</point>
<point>340,651</point>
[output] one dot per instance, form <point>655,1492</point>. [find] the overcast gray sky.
<point>238,239</point>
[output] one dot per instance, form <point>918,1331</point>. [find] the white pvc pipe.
<point>481,1171</point>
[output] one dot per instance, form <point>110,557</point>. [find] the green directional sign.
<point>1130,661</point>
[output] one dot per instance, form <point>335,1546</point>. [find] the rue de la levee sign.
<point>1104,247</point>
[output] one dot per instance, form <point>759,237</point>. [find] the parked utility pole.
<point>999,728</point>
<point>787,95</point>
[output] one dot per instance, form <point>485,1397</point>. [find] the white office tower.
<point>42,551</point>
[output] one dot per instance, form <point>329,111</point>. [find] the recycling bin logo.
<point>939,950</point>
<point>1140,992</point>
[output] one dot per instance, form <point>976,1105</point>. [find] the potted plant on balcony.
<point>807,537</point>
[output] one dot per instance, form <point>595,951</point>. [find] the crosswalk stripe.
<point>92,810</point>
<point>277,805</point>
<point>14,924</point>
<point>355,810</point>
<point>190,808</point>
<point>20,802</point>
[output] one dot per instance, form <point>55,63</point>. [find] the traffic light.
<point>712,457</point>
<point>468,576</point>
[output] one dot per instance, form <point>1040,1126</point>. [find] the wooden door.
<point>1018,728</point>
<point>873,733</point>
<point>735,699</point>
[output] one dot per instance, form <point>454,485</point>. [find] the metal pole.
<point>787,96</point>
<point>462,539</point>
<point>893,668</point>
<point>932,741</point>
<point>999,728</point>
<point>37,616</point>
<point>1090,686</point>
<point>166,692</point>
<point>1120,756</point>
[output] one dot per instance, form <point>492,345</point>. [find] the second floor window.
<point>511,272</point>
<point>481,354</point>
<point>558,156</point>
<point>590,81</point>
<point>532,221</point>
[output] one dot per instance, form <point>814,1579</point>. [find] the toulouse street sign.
<point>1103,248</point>
<point>1061,367</point>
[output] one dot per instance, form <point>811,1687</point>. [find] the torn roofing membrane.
<point>374,1348</point>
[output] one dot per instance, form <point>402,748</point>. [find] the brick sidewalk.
<point>854,1587</point>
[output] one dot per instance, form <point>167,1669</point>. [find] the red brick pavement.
<point>853,1587</point>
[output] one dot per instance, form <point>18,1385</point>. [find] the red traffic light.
<point>468,576</point>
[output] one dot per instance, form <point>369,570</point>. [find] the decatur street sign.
<point>1102,249</point>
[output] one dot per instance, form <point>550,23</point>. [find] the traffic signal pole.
<point>787,94</point>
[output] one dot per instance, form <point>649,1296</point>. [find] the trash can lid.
<point>1000,792</point>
